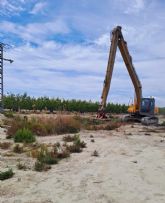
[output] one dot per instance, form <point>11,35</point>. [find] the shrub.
<point>60,152</point>
<point>63,154</point>
<point>40,166</point>
<point>6,174</point>
<point>24,135</point>
<point>77,145</point>
<point>46,157</point>
<point>163,123</point>
<point>78,142</point>
<point>74,148</point>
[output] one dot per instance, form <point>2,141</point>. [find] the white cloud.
<point>38,8</point>
<point>134,6</point>
<point>8,7</point>
<point>130,6</point>
<point>103,40</point>
<point>34,32</point>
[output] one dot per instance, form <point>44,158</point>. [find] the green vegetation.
<point>163,124</point>
<point>162,111</point>
<point>25,102</point>
<point>48,155</point>
<point>24,135</point>
<point>6,174</point>
<point>77,145</point>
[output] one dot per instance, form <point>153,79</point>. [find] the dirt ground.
<point>130,168</point>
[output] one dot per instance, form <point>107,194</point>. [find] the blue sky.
<point>60,47</point>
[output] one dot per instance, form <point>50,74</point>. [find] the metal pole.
<point>1,76</point>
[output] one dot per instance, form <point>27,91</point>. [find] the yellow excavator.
<point>143,109</point>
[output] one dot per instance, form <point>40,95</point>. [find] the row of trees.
<point>162,111</point>
<point>17,102</point>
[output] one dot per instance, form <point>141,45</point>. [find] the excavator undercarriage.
<point>143,110</point>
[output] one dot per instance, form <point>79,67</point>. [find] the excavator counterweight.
<point>143,109</point>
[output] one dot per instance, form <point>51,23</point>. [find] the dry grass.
<point>98,124</point>
<point>9,114</point>
<point>111,125</point>
<point>18,149</point>
<point>21,166</point>
<point>5,145</point>
<point>70,138</point>
<point>44,126</point>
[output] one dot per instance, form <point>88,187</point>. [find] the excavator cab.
<point>147,106</point>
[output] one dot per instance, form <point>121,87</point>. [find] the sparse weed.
<point>40,166</point>
<point>95,153</point>
<point>21,166</point>
<point>18,149</point>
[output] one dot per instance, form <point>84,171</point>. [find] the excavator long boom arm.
<point>117,40</point>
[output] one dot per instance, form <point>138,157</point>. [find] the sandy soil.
<point>130,169</point>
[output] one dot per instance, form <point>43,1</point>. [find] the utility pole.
<point>2,59</point>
